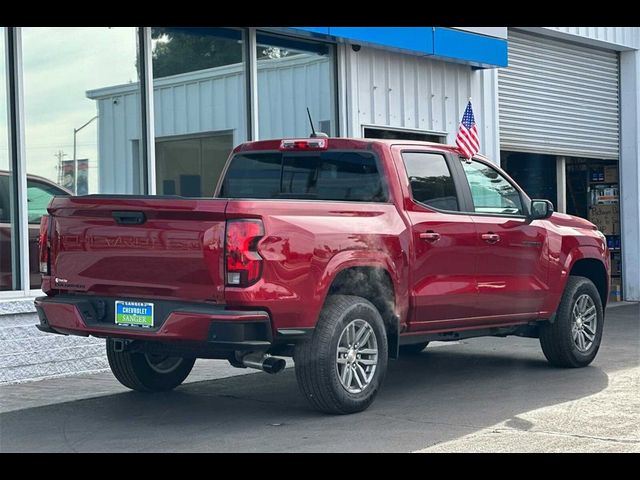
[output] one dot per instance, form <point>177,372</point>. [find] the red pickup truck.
<point>341,253</point>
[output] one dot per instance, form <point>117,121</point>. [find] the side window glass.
<point>490,191</point>
<point>38,198</point>
<point>430,180</point>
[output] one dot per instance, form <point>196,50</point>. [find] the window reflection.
<point>200,106</point>
<point>430,180</point>
<point>82,116</point>
<point>490,191</point>
<point>293,75</point>
<point>6,269</point>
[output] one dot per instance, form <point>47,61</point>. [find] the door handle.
<point>129,218</point>
<point>491,237</point>
<point>430,236</point>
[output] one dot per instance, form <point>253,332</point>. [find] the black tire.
<point>557,339</point>
<point>315,360</point>
<point>413,349</point>
<point>136,370</point>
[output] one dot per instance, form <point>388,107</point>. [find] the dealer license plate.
<point>134,314</point>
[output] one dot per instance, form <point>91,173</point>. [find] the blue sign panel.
<point>440,42</point>
<point>418,39</point>
<point>479,49</point>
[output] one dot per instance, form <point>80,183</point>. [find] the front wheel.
<point>341,369</point>
<point>573,339</point>
<point>148,372</point>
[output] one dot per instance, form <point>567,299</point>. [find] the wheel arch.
<point>373,282</point>
<point>595,270</point>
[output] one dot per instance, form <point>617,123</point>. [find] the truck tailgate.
<point>120,245</point>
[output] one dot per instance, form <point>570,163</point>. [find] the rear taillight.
<point>44,246</point>
<point>244,264</point>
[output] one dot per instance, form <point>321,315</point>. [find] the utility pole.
<point>59,156</point>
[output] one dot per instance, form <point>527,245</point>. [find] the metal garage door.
<point>559,98</point>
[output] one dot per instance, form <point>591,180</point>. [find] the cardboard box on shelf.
<point>606,218</point>
<point>611,174</point>
<point>615,295</point>
<point>616,263</point>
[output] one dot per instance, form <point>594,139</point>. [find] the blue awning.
<point>438,42</point>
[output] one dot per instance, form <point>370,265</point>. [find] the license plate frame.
<point>134,314</point>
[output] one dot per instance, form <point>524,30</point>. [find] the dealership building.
<point>156,110</point>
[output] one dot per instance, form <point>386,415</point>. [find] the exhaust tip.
<point>274,365</point>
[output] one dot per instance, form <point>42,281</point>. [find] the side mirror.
<point>541,209</point>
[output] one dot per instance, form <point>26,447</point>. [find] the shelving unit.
<point>603,195</point>
<point>593,193</point>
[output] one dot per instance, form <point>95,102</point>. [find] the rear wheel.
<point>341,369</point>
<point>148,372</point>
<point>413,349</point>
<point>573,339</point>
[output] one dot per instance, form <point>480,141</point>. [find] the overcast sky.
<point>60,65</point>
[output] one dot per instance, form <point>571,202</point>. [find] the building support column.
<point>484,93</point>
<point>561,183</point>
<point>17,160</point>
<point>630,173</point>
<point>145,52</point>
<point>252,86</point>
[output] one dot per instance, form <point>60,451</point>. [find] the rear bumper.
<point>210,325</point>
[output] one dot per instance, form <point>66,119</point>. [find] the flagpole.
<point>468,154</point>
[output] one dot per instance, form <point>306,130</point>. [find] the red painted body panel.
<point>457,282</point>
<point>175,254</point>
<point>307,243</point>
<point>512,272</point>
<point>570,239</point>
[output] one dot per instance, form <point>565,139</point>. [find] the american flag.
<point>467,138</point>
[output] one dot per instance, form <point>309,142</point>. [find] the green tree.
<point>180,50</point>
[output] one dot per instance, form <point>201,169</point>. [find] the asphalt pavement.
<point>486,394</point>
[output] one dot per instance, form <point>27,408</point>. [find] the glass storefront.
<point>6,230</point>
<point>84,112</point>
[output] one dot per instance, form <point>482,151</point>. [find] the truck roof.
<point>342,143</point>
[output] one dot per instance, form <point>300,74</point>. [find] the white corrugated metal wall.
<point>203,101</point>
<point>118,141</point>
<point>393,89</point>
<point>276,81</point>
<point>559,98</point>
<point>618,36</point>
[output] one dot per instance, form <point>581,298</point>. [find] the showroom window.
<point>293,75</point>
<point>81,115</point>
<point>200,105</point>
<point>6,229</point>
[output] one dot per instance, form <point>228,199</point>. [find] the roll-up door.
<point>559,98</point>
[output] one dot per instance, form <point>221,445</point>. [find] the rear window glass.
<point>333,175</point>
